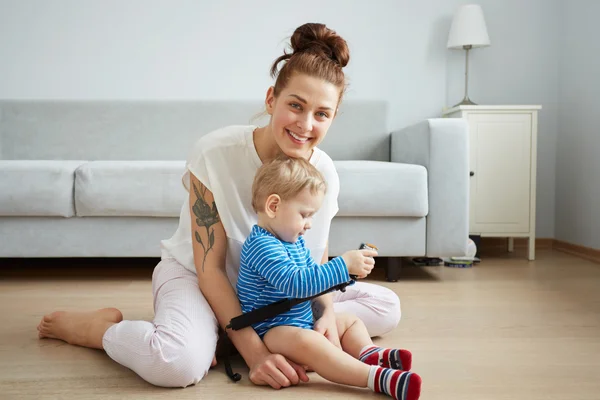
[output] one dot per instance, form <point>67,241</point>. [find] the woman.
<point>177,348</point>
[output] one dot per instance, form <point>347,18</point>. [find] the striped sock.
<point>400,385</point>
<point>387,358</point>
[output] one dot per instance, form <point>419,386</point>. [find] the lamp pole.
<point>466,101</point>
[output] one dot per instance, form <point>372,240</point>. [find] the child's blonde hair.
<point>286,177</point>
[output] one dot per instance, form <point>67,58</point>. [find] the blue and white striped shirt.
<point>272,270</point>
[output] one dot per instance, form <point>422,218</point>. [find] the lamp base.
<point>465,102</point>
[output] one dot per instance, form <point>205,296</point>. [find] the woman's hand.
<point>276,371</point>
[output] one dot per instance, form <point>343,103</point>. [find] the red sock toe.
<point>387,358</point>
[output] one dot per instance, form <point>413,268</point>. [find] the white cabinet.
<point>502,160</point>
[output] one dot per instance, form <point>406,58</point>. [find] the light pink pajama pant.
<point>176,349</point>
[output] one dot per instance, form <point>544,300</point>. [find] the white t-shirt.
<point>225,161</point>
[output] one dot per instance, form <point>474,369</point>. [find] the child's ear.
<point>272,204</point>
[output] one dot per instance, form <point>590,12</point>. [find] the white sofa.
<point>103,179</point>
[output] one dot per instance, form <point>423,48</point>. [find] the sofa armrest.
<point>440,145</point>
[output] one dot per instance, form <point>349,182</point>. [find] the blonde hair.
<point>286,177</point>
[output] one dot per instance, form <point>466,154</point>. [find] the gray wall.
<point>195,49</point>
<point>578,151</point>
<point>203,50</point>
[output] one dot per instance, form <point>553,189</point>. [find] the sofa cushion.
<point>382,189</point>
<point>130,188</point>
<point>154,188</point>
<point>37,187</point>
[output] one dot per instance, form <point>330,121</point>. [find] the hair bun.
<point>320,40</point>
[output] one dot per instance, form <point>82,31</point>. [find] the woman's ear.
<point>272,204</point>
<point>270,100</point>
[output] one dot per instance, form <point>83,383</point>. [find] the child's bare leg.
<point>353,334</point>
<point>356,341</point>
<point>310,348</point>
<point>307,347</point>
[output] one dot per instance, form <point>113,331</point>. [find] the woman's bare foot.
<point>79,328</point>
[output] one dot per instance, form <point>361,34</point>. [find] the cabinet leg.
<point>511,245</point>
<point>531,248</point>
<point>392,269</point>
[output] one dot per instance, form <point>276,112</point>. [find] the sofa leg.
<point>392,269</point>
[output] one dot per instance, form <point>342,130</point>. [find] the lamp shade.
<point>468,28</point>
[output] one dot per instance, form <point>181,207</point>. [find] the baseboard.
<point>584,252</point>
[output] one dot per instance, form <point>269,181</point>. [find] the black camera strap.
<point>278,307</point>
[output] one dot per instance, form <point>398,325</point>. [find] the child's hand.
<point>360,262</point>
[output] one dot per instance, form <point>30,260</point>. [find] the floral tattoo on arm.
<point>206,216</point>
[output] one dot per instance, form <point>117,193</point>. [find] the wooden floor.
<point>505,329</point>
